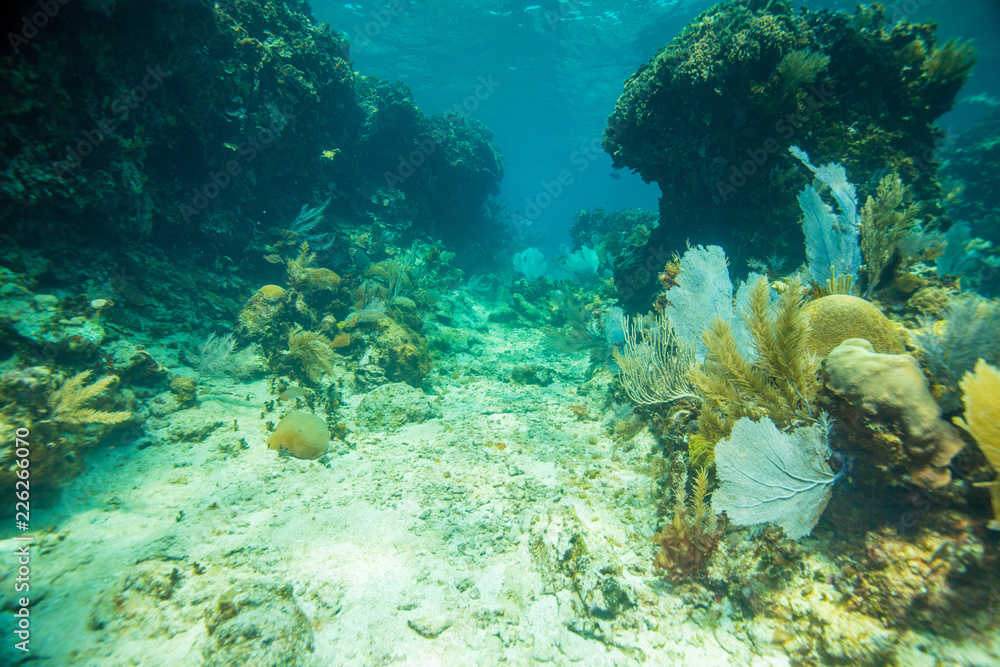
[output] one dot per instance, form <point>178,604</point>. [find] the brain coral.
<point>835,318</point>
<point>322,279</point>
<point>302,435</point>
<point>271,292</point>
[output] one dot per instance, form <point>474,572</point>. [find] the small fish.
<point>615,175</point>
<point>273,259</point>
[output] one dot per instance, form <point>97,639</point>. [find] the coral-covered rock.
<point>445,166</point>
<point>926,577</point>
<point>398,350</point>
<point>503,315</point>
<point>406,310</point>
<point>265,77</point>
<point>320,279</point>
<point>139,368</point>
<point>754,566</point>
<point>257,623</point>
<point>971,160</point>
<point>796,602</point>
<point>43,320</point>
<point>185,389</point>
<point>63,418</point>
<point>538,374</point>
<point>609,232</point>
<point>466,168</point>
<point>894,424</point>
<point>711,116</point>
<point>393,405</point>
<point>263,318</point>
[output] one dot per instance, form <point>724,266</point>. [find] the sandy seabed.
<point>509,529</point>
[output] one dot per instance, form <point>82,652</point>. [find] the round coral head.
<point>839,317</point>
<point>302,435</point>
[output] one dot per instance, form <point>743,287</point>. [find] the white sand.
<point>431,528</point>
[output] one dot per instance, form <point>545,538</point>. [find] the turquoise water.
<point>443,333</point>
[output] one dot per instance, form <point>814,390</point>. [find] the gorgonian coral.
<point>689,539</point>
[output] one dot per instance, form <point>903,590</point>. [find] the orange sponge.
<point>302,435</point>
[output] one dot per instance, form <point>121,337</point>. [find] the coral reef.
<point>968,162</point>
<point>689,537</point>
<point>885,404</point>
<point>718,107</point>
<point>278,309</point>
<point>63,419</point>
<point>779,382</point>
<point>152,143</point>
<point>838,317</point>
<point>445,167</point>
<point>923,577</point>
<point>281,82</point>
